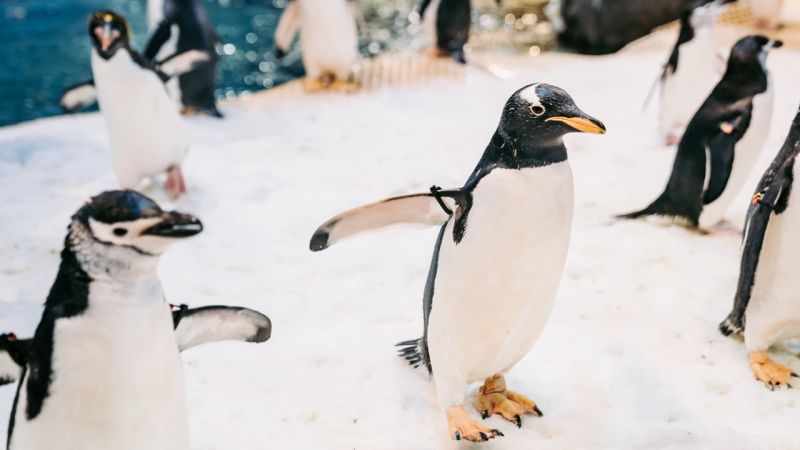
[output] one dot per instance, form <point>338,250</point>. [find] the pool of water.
<point>45,48</point>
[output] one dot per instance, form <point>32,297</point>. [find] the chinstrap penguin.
<point>727,134</point>
<point>144,124</point>
<point>693,69</point>
<point>178,26</point>
<point>766,308</point>
<point>498,259</point>
<point>103,369</point>
<point>328,41</point>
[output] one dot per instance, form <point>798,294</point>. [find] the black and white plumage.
<point>766,308</point>
<point>500,252</point>
<point>447,24</point>
<point>328,40</point>
<point>691,72</point>
<point>179,26</point>
<point>726,134</point>
<point>145,127</point>
<point>103,368</point>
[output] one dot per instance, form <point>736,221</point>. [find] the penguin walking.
<point>103,369</point>
<point>178,26</point>
<point>730,127</point>
<point>498,259</point>
<point>693,69</point>
<point>766,309</point>
<point>328,41</point>
<point>144,124</point>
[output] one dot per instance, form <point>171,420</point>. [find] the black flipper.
<point>158,38</point>
<point>721,154</point>
<point>196,326</point>
<point>772,196</point>
<point>13,357</point>
<point>423,5</point>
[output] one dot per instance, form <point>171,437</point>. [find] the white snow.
<point>631,357</point>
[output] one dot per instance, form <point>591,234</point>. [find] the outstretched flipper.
<point>196,326</point>
<point>13,357</point>
<point>433,208</point>
<point>181,63</point>
<point>78,97</point>
<point>287,28</point>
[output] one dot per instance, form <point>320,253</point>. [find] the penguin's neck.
<point>516,151</point>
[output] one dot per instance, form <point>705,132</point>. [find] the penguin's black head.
<point>109,32</point>
<point>129,220</point>
<point>543,112</point>
<point>752,49</point>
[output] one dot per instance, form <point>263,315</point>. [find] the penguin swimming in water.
<point>731,127</point>
<point>328,41</point>
<point>144,125</point>
<point>498,259</point>
<point>692,71</point>
<point>103,369</point>
<point>766,309</point>
<point>178,26</point>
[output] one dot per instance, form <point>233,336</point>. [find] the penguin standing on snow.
<point>766,309</point>
<point>692,71</point>
<point>103,369</point>
<point>446,24</point>
<point>498,259</point>
<point>144,125</point>
<point>178,26</point>
<point>328,41</point>
<point>730,127</point>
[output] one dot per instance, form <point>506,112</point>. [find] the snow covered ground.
<point>631,357</point>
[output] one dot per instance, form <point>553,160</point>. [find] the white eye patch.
<point>121,233</point>
<point>530,96</point>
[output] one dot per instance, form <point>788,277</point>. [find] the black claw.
<point>518,420</point>
<point>538,411</point>
<point>497,433</point>
<point>484,437</point>
<point>458,435</point>
<point>484,414</point>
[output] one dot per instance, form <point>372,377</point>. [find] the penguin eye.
<point>120,232</point>
<point>537,110</point>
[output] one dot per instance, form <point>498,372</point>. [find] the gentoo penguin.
<point>766,309</point>
<point>731,126</point>
<point>692,71</point>
<point>328,41</point>
<point>144,124</point>
<point>498,259</point>
<point>103,368</point>
<point>178,26</point>
<point>446,24</point>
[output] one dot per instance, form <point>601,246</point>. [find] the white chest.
<point>495,289</point>
<point>774,309</point>
<point>685,90</point>
<point>328,36</point>
<point>117,378</point>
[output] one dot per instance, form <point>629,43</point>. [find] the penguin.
<point>178,26</point>
<point>690,73</point>
<point>731,127</point>
<point>446,24</point>
<point>328,41</point>
<point>103,368</point>
<point>765,308</point>
<point>144,124</point>
<point>13,356</point>
<point>498,258</point>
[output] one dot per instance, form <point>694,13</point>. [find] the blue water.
<point>44,47</point>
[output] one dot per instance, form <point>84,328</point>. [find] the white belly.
<point>773,313</point>
<point>117,380</point>
<point>144,125</point>
<point>429,22</point>
<point>328,37</point>
<point>746,154</point>
<point>494,291</point>
<point>685,91</point>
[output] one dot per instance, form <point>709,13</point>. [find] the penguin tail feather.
<point>637,214</point>
<point>412,352</point>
